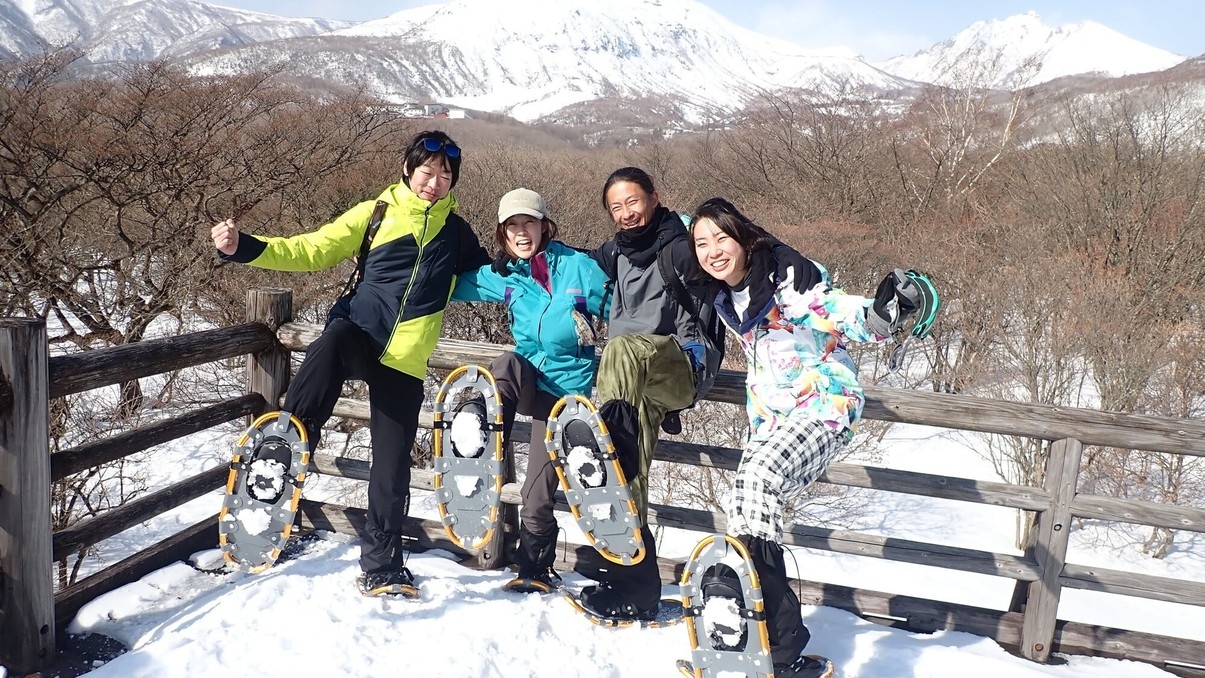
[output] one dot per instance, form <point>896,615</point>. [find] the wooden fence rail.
<point>29,613</point>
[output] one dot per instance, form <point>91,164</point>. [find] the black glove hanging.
<point>896,298</point>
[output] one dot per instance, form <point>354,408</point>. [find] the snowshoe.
<point>544,582</point>
<point>667,613</point>
<point>810,666</point>
<point>724,611</point>
<point>467,453</point>
<point>388,583</point>
<point>594,484</point>
<point>266,476</point>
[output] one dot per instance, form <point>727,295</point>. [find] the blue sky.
<point>877,29</point>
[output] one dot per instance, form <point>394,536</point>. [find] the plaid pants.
<point>787,461</point>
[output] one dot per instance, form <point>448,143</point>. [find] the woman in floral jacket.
<point>803,395</point>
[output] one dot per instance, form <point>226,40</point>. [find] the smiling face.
<point>524,234</point>
<point>431,180</point>
<point>720,255</point>
<point>630,205</point>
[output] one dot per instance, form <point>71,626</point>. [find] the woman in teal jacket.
<point>554,294</point>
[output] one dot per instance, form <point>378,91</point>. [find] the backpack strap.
<point>370,232</point>
<point>674,284</point>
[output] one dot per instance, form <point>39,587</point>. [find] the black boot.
<point>788,635</point>
<point>629,591</point>
<point>805,666</point>
<point>535,556</point>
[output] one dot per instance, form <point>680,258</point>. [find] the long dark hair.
<point>633,175</point>
<point>417,154</point>
<point>751,237</point>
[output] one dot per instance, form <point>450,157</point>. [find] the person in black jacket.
<point>664,351</point>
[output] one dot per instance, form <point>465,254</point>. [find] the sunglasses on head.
<point>435,145</point>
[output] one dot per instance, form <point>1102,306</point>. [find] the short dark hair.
<point>725,215</point>
<point>633,175</point>
<point>417,153</point>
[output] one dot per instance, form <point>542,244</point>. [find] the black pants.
<point>516,377</point>
<point>344,352</point>
<point>788,635</point>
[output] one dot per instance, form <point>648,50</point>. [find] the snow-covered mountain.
<point>142,30</point>
<point>1021,51</point>
<point>529,58</point>
<point>563,60</point>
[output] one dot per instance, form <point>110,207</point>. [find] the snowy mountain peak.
<point>141,30</point>
<point>1021,50</point>
<point>461,21</point>
<point>530,58</point>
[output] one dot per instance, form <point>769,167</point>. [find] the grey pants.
<point>515,377</point>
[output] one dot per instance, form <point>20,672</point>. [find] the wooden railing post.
<point>268,371</point>
<point>493,555</point>
<point>26,587</point>
<point>1054,532</point>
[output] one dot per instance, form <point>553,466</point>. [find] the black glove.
<point>896,298</point>
<point>804,272</point>
<point>501,265</point>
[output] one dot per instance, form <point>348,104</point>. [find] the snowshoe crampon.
<point>595,488</point>
<point>266,475</point>
<point>468,456</point>
<point>724,611</point>
<point>668,613</point>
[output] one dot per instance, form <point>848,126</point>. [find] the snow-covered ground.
<point>305,616</point>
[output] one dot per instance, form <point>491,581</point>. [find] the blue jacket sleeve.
<point>479,284</point>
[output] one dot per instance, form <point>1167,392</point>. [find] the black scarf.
<point>641,245</point>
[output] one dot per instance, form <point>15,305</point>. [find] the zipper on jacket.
<point>540,322</point>
<point>401,309</point>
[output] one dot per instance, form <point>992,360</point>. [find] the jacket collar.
<point>412,206</point>
<point>552,253</point>
<point>761,280</point>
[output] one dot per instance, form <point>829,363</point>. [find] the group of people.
<point>667,286</point>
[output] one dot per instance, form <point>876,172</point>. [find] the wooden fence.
<point>31,613</point>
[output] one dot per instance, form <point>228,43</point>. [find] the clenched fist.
<point>225,236</point>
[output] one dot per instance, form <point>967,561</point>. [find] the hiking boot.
<point>387,582</point>
<point>582,454</point>
<point>806,666</point>
<point>468,431</point>
<point>608,602</point>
